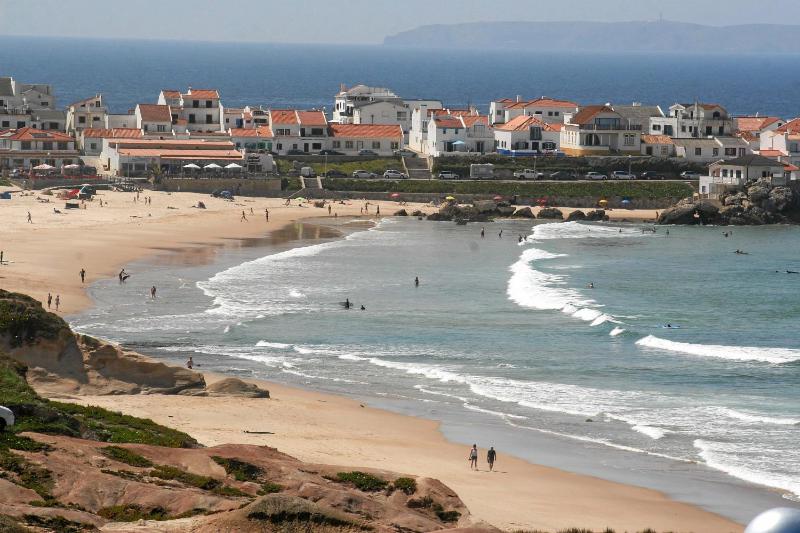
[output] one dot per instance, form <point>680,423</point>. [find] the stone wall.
<point>237,186</point>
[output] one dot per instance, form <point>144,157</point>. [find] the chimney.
<point>342,87</point>
<point>519,98</point>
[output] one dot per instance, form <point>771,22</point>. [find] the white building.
<point>708,150</point>
<point>693,121</point>
<point>25,96</point>
<point>154,119</point>
<point>253,139</point>
<point>750,128</point>
<point>120,120</point>
<point>782,143</point>
<point>28,147</point>
<point>549,110</point>
<point>527,135</point>
<point>600,130</point>
<point>298,131</point>
<point>199,108</point>
<point>458,134</point>
<point>136,157</point>
<point>658,146</point>
<point>383,139</point>
<point>87,113</point>
<point>733,174</point>
<point>91,140</point>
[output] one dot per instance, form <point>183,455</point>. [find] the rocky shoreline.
<point>759,203</point>
<point>488,210</point>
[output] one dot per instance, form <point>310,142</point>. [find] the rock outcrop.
<point>758,204</point>
<point>401,213</point>
<point>551,213</point>
<point>236,387</point>
<point>576,215</point>
<point>598,215</point>
<point>524,212</point>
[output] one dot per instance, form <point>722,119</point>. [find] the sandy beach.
<point>47,255</point>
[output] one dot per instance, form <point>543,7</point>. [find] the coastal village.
<point>190,132</point>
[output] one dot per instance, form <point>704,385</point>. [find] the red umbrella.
<point>498,197</point>
<point>395,195</point>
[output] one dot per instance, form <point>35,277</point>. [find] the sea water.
<point>683,351</point>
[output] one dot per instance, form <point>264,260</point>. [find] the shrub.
<point>296,514</point>
<point>56,523</point>
<point>425,502</point>
<point>126,456</point>
<point>226,490</point>
<point>362,481</point>
<point>240,470</point>
<point>28,475</point>
<point>132,512</point>
<point>171,473</point>
<point>406,484</point>
<point>269,488</point>
<point>24,320</point>
<point>445,516</point>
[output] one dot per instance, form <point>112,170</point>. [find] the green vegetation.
<point>133,512</point>
<point>406,484</point>
<point>445,516</point>
<point>9,525</point>
<point>362,481</point>
<point>269,488</point>
<point>426,502</point>
<point>171,473</point>
<point>603,189</point>
<point>26,474</point>
<point>24,320</point>
<point>227,490</point>
<point>378,165</point>
<point>289,513</point>
<point>57,523</point>
<point>126,456</point>
<point>5,183</point>
<point>240,470</point>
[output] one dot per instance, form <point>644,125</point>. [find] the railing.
<point>611,127</point>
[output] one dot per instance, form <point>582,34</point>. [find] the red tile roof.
<point>755,123</point>
<point>793,126</point>
<point>657,139</point>
<point>193,144</point>
<point>772,153</point>
<point>448,122</point>
<point>587,113</point>
<point>283,116</point>
<point>373,131</point>
<point>32,134</point>
<point>471,120</point>
<point>312,118</point>
<point>155,113</point>
<point>543,102</point>
<point>523,122</point>
<point>114,133</point>
<point>171,93</point>
<point>202,94</point>
<point>181,154</point>
<point>791,168</point>
<point>261,131</point>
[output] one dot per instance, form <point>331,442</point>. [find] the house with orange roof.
<point>455,134</point>
<point>29,147</point>
<point>383,139</point>
<point>546,109</point>
<point>140,156</point>
<point>658,146</point>
<point>200,108</point>
<point>751,127</point>
<point>298,131</point>
<point>154,119</point>
<point>600,130</point>
<point>87,113</point>
<point>526,135</point>
<point>783,142</point>
<point>697,120</point>
<point>252,139</point>
<point>91,140</point>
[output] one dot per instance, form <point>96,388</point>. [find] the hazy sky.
<point>346,21</point>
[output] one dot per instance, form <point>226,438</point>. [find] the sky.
<point>346,21</point>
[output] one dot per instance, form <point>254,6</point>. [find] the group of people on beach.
<point>50,301</point>
<point>491,457</point>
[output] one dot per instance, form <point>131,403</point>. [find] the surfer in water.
<point>347,303</point>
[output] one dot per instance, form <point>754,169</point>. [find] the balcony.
<point>610,127</point>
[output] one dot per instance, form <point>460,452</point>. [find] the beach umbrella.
<point>300,199</point>
<point>395,195</point>
<point>212,165</point>
<point>603,202</point>
<point>233,165</point>
<point>626,201</point>
<point>498,198</point>
<point>450,198</point>
<point>73,165</point>
<point>43,166</point>
<point>192,166</point>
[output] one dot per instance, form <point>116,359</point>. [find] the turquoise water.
<point>510,332</point>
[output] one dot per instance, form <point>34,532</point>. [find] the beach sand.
<point>47,255</point>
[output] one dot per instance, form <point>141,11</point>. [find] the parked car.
<point>394,175</point>
<point>595,176</point>
<point>367,153</point>
<point>86,192</point>
<point>564,175</point>
<point>363,174</point>
<point>622,175</point>
<point>6,418</point>
<point>333,173</point>
<point>405,152</point>
<point>528,174</point>
<point>295,152</point>
<point>690,175</point>
<point>330,152</point>
<point>650,175</point>
<point>447,175</point>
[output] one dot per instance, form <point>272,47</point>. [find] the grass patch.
<point>226,490</point>
<point>182,476</point>
<point>124,474</point>
<point>57,523</point>
<point>240,470</point>
<point>362,481</point>
<point>426,502</point>
<point>9,525</point>
<point>289,513</point>
<point>19,442</point>
<point>406,484</point>
<point>269,488</point>
<point>27,474</point>
<point>23,320</point>
<point>445,516</point>
<point>126,456</point>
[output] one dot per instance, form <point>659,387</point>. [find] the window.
<point>376,145</point>
<point>26,145</point>
<point>192,119</point>
<point>709,130</point>
<point>656,127</point>
<point>715,152</point>
<point>208,103</point>
<point>794,147</point>
<point>683,129</point>
<point>730,152</point>
<point>664,151</point>
<point>549,113</point>
<point>283,131</point>
<point>174,118</point>
<point>548,146</point>
<point>698,151</point>
<point>279,146</point>
<point>93,146</point>
<point>45,104</point>
<point>317,132</point>
<point>146,128</point>
<point>54,125</point>
<point>47,145</point>
<point>161,128</point>
<point>209,119</point>
<point>316,146</point>
<point>649,150</point>
<point>556,113</point>
<point>348,145</point>
<point>535,133</point>
<point>81,120</point>
<point>97,104</point>
<point>195,103</point>
<point>336,144</point>
<point>4,124</point>
<point>63,146</point>
<point>738,173</point>
<point>668,130</point>
<point>395,146</point>
<point>630,139</point>
<point>722,130</point>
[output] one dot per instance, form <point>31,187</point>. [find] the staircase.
<point>417,168</point>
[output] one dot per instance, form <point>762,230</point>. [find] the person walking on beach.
<point>491,457</point>
<point>500,234</point>
<point>83,275</point>
<point>153,292</point>
<point>49,300</point>
<point>58,301</point>
<point>123,276</point>
<point>473,457</point>
<point>1,257</point>
<point>416,281</point>
<point>190,363</point>
<point>483,233</point>
<point>244,217</point>
<point>329,209</point>
<point>30,220</point>
<point>378,211</point>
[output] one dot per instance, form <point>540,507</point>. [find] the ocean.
<point>308,76</point>
<point>679,370</point>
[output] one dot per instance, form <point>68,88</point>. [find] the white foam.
<point>732,353</point>
<point>294,293</point>
<point>616,331</point>
<point>761,419</point>
<point>534,289</point>
<point>652,432</point>
<point>580,230</point>
<point>721,455</point>
<point>279,345</point>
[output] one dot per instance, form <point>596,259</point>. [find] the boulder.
<point>688,212</point>
<point>781,199</point>
<point>505,210</point>
<point>758,191</point>
<point>417,213</point>
<point>576,215</point>
<point>524,212</point>
<point>598,215</point>
<point>401,213</point>
<point>236,387</point>
<point>485,206</point>
<point>551,213</point>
